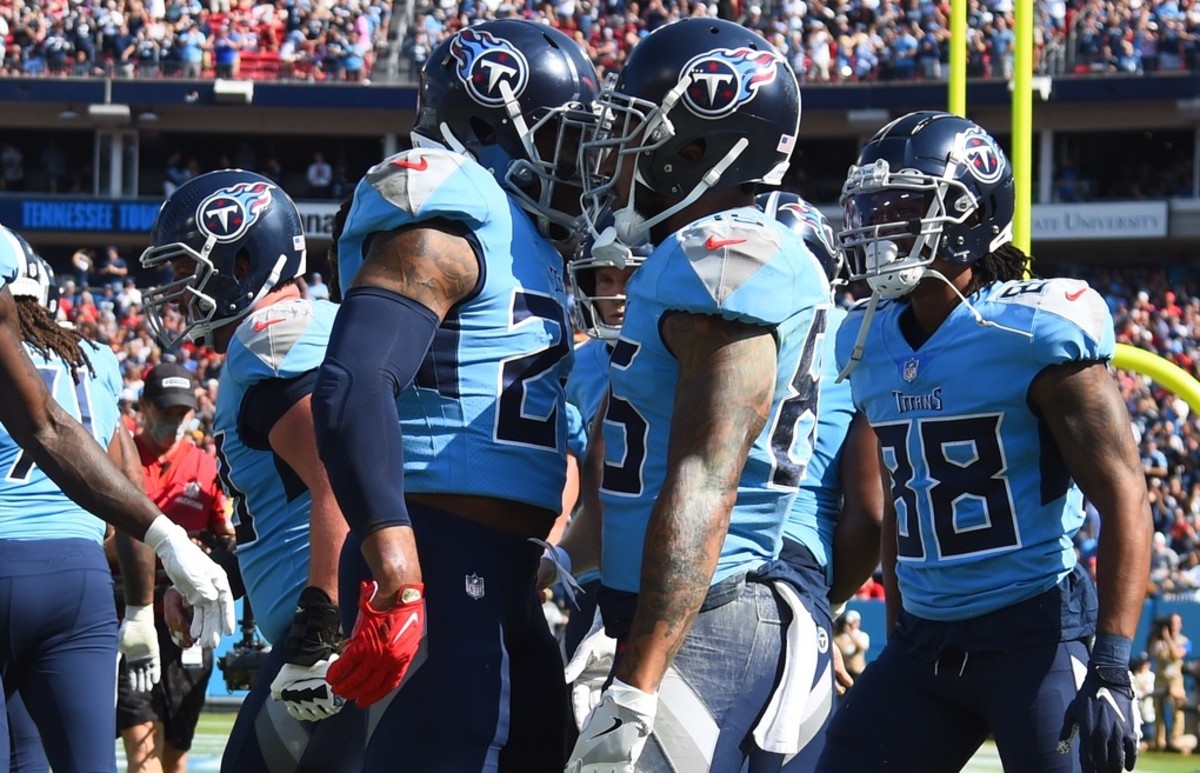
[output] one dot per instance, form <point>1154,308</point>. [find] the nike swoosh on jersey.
<point>713,243</point>
<point>617,722</point>
<point>266,323</point>
<point>417,166</point>
<point>1075,295</point>
<point>411,619</point>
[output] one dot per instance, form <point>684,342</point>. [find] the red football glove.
<point>381,648</point>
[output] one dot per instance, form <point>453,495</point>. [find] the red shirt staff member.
<point>182,480</point>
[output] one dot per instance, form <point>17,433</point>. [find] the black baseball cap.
<point>169,385</point>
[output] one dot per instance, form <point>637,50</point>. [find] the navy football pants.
<point>490,694</point>
<point>60,648</point>
<point>28,756</point>
<point>903,714</point>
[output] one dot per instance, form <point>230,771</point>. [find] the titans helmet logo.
<point>724,79</point>
<point>977,151</point>
<point>811,216</point>
<point>485,63</point>
<point>228,213</point>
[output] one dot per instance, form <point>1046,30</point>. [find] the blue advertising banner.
<point>83,215</point>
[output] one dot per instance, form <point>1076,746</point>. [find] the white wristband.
<point>640,701</point>
<point>136,614</point>
<point>160,532</point>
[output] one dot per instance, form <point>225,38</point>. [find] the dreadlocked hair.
<point>1004,264</point>
<point>48,338</point>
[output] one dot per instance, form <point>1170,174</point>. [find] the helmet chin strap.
<point>206,329</point>
<point>856,354</point>
<point>630,216</point>
<point>979,319</point>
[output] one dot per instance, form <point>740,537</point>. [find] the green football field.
<point>214,727</point>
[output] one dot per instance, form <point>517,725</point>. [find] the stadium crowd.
<point>826,40</point>
<point>868,40</point>
<point>323,40</point>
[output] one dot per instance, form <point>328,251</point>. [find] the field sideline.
<point>213,730</point>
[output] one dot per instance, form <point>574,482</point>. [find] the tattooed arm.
<point>410,280</point>
<point>1080,404</point>
<point>59,444</point>
<point>723,395</point>
<point>434,265</point>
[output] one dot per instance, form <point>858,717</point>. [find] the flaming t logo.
<point>977,150</point>
<point>228,213</point>
<point>725,78</point>
<point>485,62</point>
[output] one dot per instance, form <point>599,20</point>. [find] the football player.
<point>996,413</point>
<point>831,538</point>
<point>454,321</point>
<point>599,281</point>
<point>58,444</point>
<point>839,507</point>
<point>710,410</point>
<point>237,246</point>
<point>58,613</point>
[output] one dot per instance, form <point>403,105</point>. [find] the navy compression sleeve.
<point>378,342</point>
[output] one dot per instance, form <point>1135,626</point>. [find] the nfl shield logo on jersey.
<point>474,586</point>
<point>910,370</point>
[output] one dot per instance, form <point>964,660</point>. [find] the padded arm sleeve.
<point>378,342</point>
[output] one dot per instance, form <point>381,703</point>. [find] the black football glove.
<point>313,643</point>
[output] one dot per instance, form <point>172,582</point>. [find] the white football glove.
<point>197,577</point>
<point>305,693</point>
<point>588,669</point>
<point>614,734</point>
<point>137,640</point>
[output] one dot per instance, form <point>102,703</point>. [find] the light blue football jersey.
<point>589,378</point>
<point>486,414</point>
<point>271,502</point>
<point>985,505</point>
<point>818,504</point>
<point>10,257</point>
<point>576,432</point>
<point>745,267</point>
<point>31,505</point>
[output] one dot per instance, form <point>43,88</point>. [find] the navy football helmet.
<point>928,186</point>
<point>231,237</point>
<point>498,91</point>
<point>35,277</point>
<point>601,252</point>
<point>701,104</point>
<point>811,224</point>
